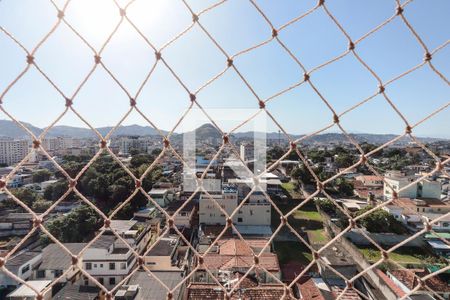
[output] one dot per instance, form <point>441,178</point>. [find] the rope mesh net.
<point>229,65</point>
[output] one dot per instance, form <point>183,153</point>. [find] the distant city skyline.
<point>314,40</point>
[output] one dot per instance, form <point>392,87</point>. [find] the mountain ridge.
<point>10,129</point>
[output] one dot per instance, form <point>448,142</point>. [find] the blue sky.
<point>236,25</point>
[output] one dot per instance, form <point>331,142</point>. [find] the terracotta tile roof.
<point>309,290</point>
<point>197,291</point>
<point>396,289</point>
<point>234,247</point>
<point>349,294</point>
<point>410,281</point>
<point>216,261</point>
<point>291,270</point>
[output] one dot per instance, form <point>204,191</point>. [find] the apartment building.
<point>12,151</point>
<point>255,211</point>
<point>423,189</point>
<point>108,259</point>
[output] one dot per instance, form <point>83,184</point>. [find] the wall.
<point>387,239</point>
<point>362,263</point>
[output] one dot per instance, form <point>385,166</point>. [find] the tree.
<point>380,221</point>
<point>344,187</point>
<point>55,191</point>
<point>27,196</point>
<point>41,206</point>
<point>41,175</point>
<point>77,226</point>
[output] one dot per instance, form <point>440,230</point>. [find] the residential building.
<point>185,217</point>
<point>25,293</point>
<point>12,151</point>
<point>56,261</point>
<point>397,181</point>
<point>161,196</point>
<point>21,265</point>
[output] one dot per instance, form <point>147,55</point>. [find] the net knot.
<point>72,183</point>
<point>166,143</point>
<point>427,56</point>
<point>274,33</point>
<point>192,97</point>
<point>103,144</point>
<point>229,62</point>
<point>336,119</point>
<point>194,18</point>
<point>2,183</point>
<point>256,259</point>
<point>122,12</point>
<point>138,183</point>
<point>36,144</point>
<point>408,129</point>
<point>60,14</point>
<point>306,77</point>
<point>351,46</point>
<point>132,102</point>
<point>320,2</point>
<point>30,59</point>
<point>225,139</point>
<point>381,89</point>
<point>107,223</point>
<point>37,222</point>
<point>293,146</point>
<point>261,104</point>
<point>74,260</point>
<point>97,59</point>
<point>69,102</point>
<point>158,55</point>
<point>399,10</point>
<point>229,222</point>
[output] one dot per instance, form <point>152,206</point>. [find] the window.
<point>445,224</point>
<point>112,266</point>
<point>112,280</point>
<point>123,266</point>
<point>101,265</point>
<point>88,266</point>
<point>150,263</point>
<point>240,220</point>
<point>100,279</point>
<point>25,269</point>
<point>95,265</point>
<point>40,274</point>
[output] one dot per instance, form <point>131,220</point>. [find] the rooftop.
<point>24,291</point>
<point>201,291</point>
<point>164,247</point>
<point>55,258</point>
<point>150,288</point>
<point>17,261</point>
<point>77,292</point>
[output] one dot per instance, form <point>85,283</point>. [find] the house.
<point>78,291</point>
<point>185,217</point>
<point>161,196</point>
<point>234,255</point>
<point>167,255</point>
<point>148,288</point>
<point>255,211</point>
<point>407,281</point>
<point>56,261</point>
<point>25,293</point>
<point>21,265</point>
<point>406,187</point>
<point>109,259</point>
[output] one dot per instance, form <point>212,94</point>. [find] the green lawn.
<point>292,251</point>
<point>307,215</point>
<point>289,188</point>
<point>317,236</point>
<point>403,255</point>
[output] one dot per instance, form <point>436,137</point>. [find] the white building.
<point>422,189</point>
<point>255,211</point>
<point>13,151</point>
<point>22,266</point>
<point>108,259</point>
